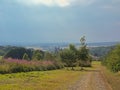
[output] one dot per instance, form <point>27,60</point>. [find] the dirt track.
<point>93,80</point>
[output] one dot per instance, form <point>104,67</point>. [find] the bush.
<point>14,65</point>
<point>112,60</point>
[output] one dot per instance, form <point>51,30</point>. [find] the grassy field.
<point>112,78</point>
<point>53,80</point>
<point>47,80</point>
<point>42,80</point>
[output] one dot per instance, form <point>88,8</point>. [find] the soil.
<point>93,80</point>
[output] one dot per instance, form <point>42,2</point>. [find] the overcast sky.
<point>40,21</point>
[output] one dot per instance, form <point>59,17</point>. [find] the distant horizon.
<point>45,43</point>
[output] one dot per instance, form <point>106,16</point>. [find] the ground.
<point>92,80</point>
<point>89,79</point>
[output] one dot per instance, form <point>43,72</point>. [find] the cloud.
<point>60,3</point>
<point>85,2</point>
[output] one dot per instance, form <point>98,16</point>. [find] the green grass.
<point>46,80</point>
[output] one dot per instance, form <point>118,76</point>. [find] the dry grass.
<point>47,80</point>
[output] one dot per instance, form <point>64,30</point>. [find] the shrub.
<point>112,60</point>
<point>14,65</point>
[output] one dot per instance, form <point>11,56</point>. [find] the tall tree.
<point>83,54</point>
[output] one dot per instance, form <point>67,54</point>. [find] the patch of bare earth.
<point>93,80</point>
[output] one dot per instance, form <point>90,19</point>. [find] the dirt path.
<point>93,80</point>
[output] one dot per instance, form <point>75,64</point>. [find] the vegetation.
<point>112,78</point>
<point>100,51</point>
<point>48,80</point>
<point>0,57</point>
<point>25,57</point>
<point>37,55</point>
<point>18,53</point>
<point>112,60</point>
<point>13,65</point>
<point>4,49</point>
<point>68,57</point>
<point>72,56</point>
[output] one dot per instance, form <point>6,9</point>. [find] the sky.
<point>46,21</point>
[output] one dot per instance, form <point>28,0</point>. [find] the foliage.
<point>100,51</point>
<point>83,56</point>
<point>68,57</point>
<point>38,55</point>
<point>15,65</point>
<point>112,78</point>
<point>49,56</point>
<point>4,49</point>
<point>112,60</point>
<point>25,57</point>
<point>18,52</point>
<point>73,56</point>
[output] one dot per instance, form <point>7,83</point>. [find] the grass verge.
<point>112,78</point>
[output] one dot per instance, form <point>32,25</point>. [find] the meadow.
<point>39,80</point>
<point>43,80</point>
<point>55,79</point>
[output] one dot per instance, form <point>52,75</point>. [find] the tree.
<point>25,57</point>
<point>49,56</point>
<point>83,53</point>
<point>72,55</point>
<point>16,53</point>
<point>37,55</point>
<point>68,56</point>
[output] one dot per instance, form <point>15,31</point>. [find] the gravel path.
<point>93,80</point>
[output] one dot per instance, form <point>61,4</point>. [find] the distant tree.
<point>37,55</point>
<point>49,56</point>
<point>18,52</point>
<point>25,57</point>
